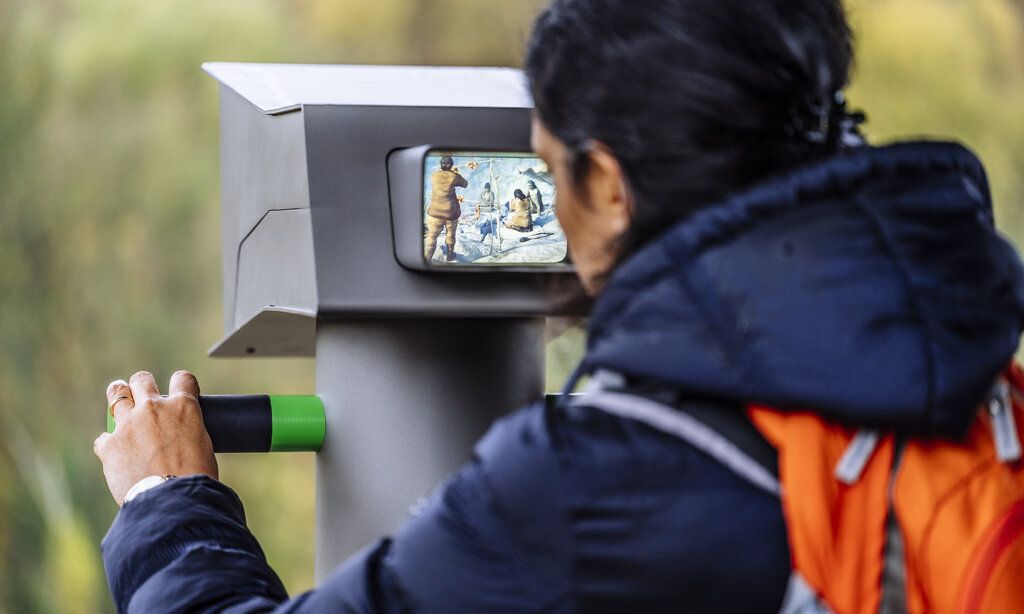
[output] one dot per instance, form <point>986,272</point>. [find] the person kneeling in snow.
<point>519,210</point>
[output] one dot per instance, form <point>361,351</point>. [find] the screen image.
<point>490,209</point>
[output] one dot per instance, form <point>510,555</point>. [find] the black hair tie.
<point>844,126</point>
<point>827,123</point>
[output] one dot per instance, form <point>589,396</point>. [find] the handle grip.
<point>261,423</point>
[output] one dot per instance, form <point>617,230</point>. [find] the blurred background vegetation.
<point>109,218</point>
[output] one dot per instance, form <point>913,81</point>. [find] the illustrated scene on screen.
<point>490,209</point>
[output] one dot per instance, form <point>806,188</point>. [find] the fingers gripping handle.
<point>261,423</point>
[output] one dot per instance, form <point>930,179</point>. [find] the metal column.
<point>405,402</point>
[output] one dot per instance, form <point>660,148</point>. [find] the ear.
<point>607,189</point>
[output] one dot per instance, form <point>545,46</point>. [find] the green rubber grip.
<point>298,423</point>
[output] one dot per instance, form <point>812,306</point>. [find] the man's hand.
<point>154,435</point>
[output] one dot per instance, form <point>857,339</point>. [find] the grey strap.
<point>894,563</point>
<point>1004,426</point>
<point>603,379</point>
<point>679,424</point>
<point>801,598</point>
<point>856,457</point>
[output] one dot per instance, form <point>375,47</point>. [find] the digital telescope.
<point>393,223</point>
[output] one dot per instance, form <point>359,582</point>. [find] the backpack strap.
<point>1004,426</point>
<point>721,431</point>
<point>855,458</point>
<point>801,598</point>
<point>894,555</point>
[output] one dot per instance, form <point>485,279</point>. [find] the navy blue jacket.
<point>871,287</point>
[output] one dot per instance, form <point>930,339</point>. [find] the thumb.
<point>100,444</point>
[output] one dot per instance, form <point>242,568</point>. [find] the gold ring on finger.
<point>120,398</point>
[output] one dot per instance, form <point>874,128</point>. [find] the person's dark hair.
<point>531,184</point>
<point>519,194</point>
<point>447,163</point>
<point>487,186</point>
<point>695,98</point>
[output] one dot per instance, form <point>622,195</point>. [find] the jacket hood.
<point>871,287</point>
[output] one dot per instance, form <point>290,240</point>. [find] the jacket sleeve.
<point>185,547</point>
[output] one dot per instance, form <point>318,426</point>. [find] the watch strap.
<point>146,483</point>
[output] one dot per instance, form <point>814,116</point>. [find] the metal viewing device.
<point>393,223</point>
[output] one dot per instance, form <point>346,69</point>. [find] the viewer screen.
<point>490,209</point>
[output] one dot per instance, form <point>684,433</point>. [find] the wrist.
<point>146,484</point>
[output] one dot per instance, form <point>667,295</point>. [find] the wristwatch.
<point>146,484</point>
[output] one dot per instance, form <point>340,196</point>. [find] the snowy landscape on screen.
<point>485,240</point>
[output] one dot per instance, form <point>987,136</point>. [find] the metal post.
<point>405,401</point>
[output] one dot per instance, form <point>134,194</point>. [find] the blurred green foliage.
<point>109,236</point>
<point>948,69</point>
